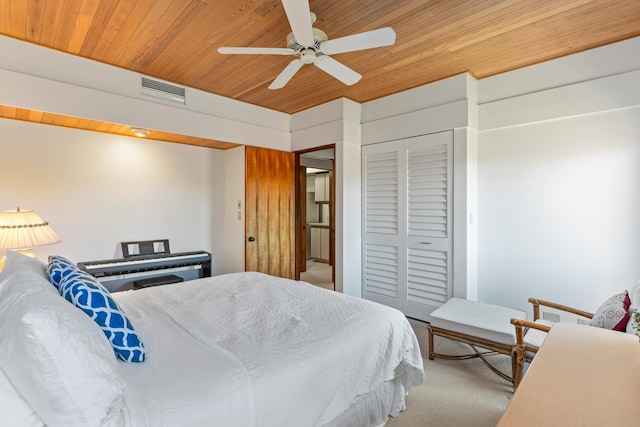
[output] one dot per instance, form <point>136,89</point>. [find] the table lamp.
<point>23,230</point>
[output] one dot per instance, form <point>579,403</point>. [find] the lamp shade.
<point>24,229</point>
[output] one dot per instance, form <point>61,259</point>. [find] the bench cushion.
<point>487,321</point>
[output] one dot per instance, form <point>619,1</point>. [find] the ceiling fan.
<point>312,46</point>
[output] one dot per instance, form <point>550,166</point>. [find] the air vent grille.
<point>162,90</point>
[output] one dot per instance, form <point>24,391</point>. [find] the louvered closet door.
<point>428,206</point>
<point>406,227</point>
<point>382,225</point>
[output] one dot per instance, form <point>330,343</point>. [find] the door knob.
<point>252,239</point>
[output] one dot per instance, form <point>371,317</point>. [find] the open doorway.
<point>315,214</point>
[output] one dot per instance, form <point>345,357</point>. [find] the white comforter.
<point>249,349</point>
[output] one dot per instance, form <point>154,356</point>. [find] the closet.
<point>407,222</point>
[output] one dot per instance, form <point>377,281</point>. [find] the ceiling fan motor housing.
<point>319,37</point>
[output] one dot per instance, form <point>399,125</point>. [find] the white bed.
<point>249,349</point>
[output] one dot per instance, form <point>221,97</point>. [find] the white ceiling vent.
<point>162,90</point>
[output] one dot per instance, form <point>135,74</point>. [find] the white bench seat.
<point>486,328</point>
<point>486,321</point>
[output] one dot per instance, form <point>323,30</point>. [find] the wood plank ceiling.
<point>34,116</point>
<point>176,40</point>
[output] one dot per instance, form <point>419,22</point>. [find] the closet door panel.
<point>381,271</point>
<point>406,223</point>
<point>382,226</point>
<point>428,273</point>
<point>428,207</point>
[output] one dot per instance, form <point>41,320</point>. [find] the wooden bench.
<point>486,328</point>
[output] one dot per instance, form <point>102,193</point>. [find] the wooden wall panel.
<point>270,211</point>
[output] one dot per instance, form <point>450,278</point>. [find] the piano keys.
<point>120,273</point>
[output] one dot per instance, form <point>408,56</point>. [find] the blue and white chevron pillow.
<point>58,267</point>
<point>86,293</point>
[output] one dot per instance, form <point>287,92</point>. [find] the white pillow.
<point>18,262</point>
<point>56,356</point>
<point>15,410</point>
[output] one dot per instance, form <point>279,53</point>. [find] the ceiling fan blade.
<point>341,72</point>
<point>367,40</point>
<point>286,74</point>
<point>256,50</point>
<point>299,17</point>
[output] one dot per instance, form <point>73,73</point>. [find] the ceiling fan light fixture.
<point>140,132</point>
<point>308,56</point>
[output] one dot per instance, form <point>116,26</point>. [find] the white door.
<point>407,223</point>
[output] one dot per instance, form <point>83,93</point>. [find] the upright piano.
<point>129,272</point>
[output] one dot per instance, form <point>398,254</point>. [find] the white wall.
<point>559,179</point>
<point>338,122</point>
<point>234,208</point>
<point>97,190</point>
<point>348,212</point>
<point>559,209</point>
<point>439,106</point>
<point>465,213</point>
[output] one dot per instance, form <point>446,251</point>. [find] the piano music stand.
<point>145,247</point>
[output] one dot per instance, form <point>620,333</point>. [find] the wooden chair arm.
<point>538,302</point>
<point>520,330</point>
<point>529,324</point>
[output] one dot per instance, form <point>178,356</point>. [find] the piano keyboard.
<point>120,266</point>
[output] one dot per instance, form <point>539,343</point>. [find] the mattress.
<point>248,349</point>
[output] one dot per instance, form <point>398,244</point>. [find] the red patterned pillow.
<point>614,313</point>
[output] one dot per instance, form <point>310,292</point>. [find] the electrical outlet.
<point>583,321</point>
<point>553,317</point>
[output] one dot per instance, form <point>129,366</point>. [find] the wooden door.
<point>301,219</point>
<point>270,211</point>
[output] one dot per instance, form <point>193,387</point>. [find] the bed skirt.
<point>374,408</point>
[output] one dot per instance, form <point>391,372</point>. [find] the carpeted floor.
<point>319,274</point>
<point>455,392</point>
